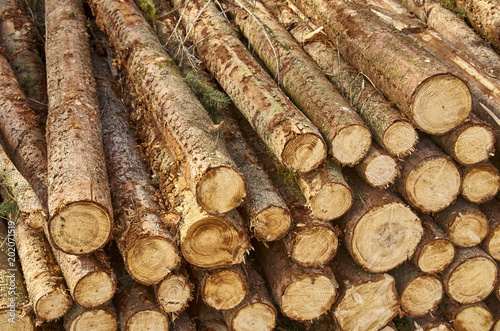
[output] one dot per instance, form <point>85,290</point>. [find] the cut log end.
<point>381,171</point>
<point>224,290</point>
<point>473,318</point>
<point>474,145</point>
<point>147,320</point>
<point>22,321</point>
<point>400,138</point>
<point>433,185</point>
<point>493,243</point>
<point>94,289</point>
<point>422,295</point>
<point>469,229</point>
<point>440,104</point>
<point>272,223</point>
<point>436,256</point>
<point>385,237</point>
<point>351,144</point>
<point>173,293</point>
<point>308,298</point>
<point>98,319</point>
<point>333,201</point>
<point>53,306</point>
<point>150,259</point>
<point>315,246</point>
<point>304,153</point>
<point>221,190</point>
<point>481,184</point>
<point>257,316</point>
<point>80,228</point>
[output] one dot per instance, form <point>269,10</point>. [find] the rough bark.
<point>492,241</point>
<point>471,277</point>
<point>424,89</point>
<point>475,316</point>
<point>210,319</point>
<point>184,123</point>
<point>366,301</point>
<point>347,136</point>
<point>148,249</point>
<point>290,284</point>
<point>174,292</point>
<point>79,198</point>
<point>430,181</point>
<point>380,231</point>
<point>480,183</point>
<point>286,131</point>
<point>102,318</point>
<point>378,168</point>
<point>464,223</point>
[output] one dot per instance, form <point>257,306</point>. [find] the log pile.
<point>248,165</point>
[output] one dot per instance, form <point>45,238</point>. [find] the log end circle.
<point>351,144</point>
<point>474,145</point>
<point>332,201</point>
<point>381,171</point>
<point>481,184</point>
<point>94,289</point>
<point>304,153</point>
<point>422,295</point>
<point>97,319</point>
<point>53,306</point>
<point>224,290</point>
<point>256,316</point>
<point>272,223</point>
<point>173,293</point>
<point>147,320</point>
<point>436,256</point>
<point>400,138</point>
<point>313,247</point>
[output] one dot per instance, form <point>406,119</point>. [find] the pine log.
<point>256,311</point>
<point>184,123</point>
<point>433,322</point>
<point>420,293</point>
<point>79,198</point>
<point>14,301</point>
<point>183,323</point>
<point>471,277</point>
<point>464,223</point>
<point>148,249</point>
<point>430,181</point>
<point>224,288</point>
<point>435,251</point>
<point>286,131</point>
<point>302,293</point>
<point>473,316</point>
<point>493,305</point>
<point>380,231</point>
<point>480,183</point>
<point>173,293</point>
<point>491,243</point>
<point>378,168</point>
<point>347,136</point>
<point>102,318</point>
<point>424,89</point>
<point>390,129</point>
<point>366,301</point>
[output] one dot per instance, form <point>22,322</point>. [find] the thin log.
<point>378,168</point>
<point>491,243</point>
<point>286,131</point>
<point>480,182</point>
<point>174,292</point>
<point>79,198</point>
<point>474,316</point>
<point>184,123</point>
<point>97,318</point>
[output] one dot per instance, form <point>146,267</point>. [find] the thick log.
<point>366,301</point>
<point>491,243</point>
<point>98,318</point>
<point>474,316</point>
<point>480,183</point>
<point>347,136</point>
<point>148,249</point>
<point>380,231</point>
<point>174,292</point>
<point>464,223</point>
<point>302,293</point>
<point>430,181</point>
<point>286,131</point>
<point>184,123</point>
<point>79,198</point>
<point>424,89</point>
<point>378,168</point>
<point>471,277</point>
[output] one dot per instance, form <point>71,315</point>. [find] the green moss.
<point>29,82</point>
<point>149,10</point>
<point>212,99</point>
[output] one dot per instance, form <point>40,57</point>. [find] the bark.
<point>256,311</point>
<point>475,316</point>
<point>183,323</point>
<point>389,127</point>
<point>430,181</point>
<point>174,292</point>
<point>435,251</point>
<point>79,197</point>
<point>366,301</point>
<point>380,231</point>
<point>434,322</point>
<point>148,249</point>
<point>378,168</point>
<point>471,277</point>
<point>491,243</point>
<point>210,319</point>
<point>480,182</point>
<point>419,293</point>
<point>424,89</point>
<point>325,322</point>
<point>97,318</point>
<point>494,307</point>
<point>347,136</point>
<point>289,282</point>
<point>184,123</point>
<point>286,131</point>
<point>464,223</point>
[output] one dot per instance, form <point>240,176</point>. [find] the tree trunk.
<point>492,241</point>
<point>286,131</point>
<point>480,183</point>
<point>174,292</point>
<point>347,136</point>
<point>474,316</point>
<point>471,277</point>
<point>430,181</point>
<point>435,100</point>
<point>380,231</point>
<point>102,318</point>
<point>302,293</point>
<point>79,198</point>
<point>434,252</point>
<point>464,223</point>
<point>366,301</point>
<point>378,168</point>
